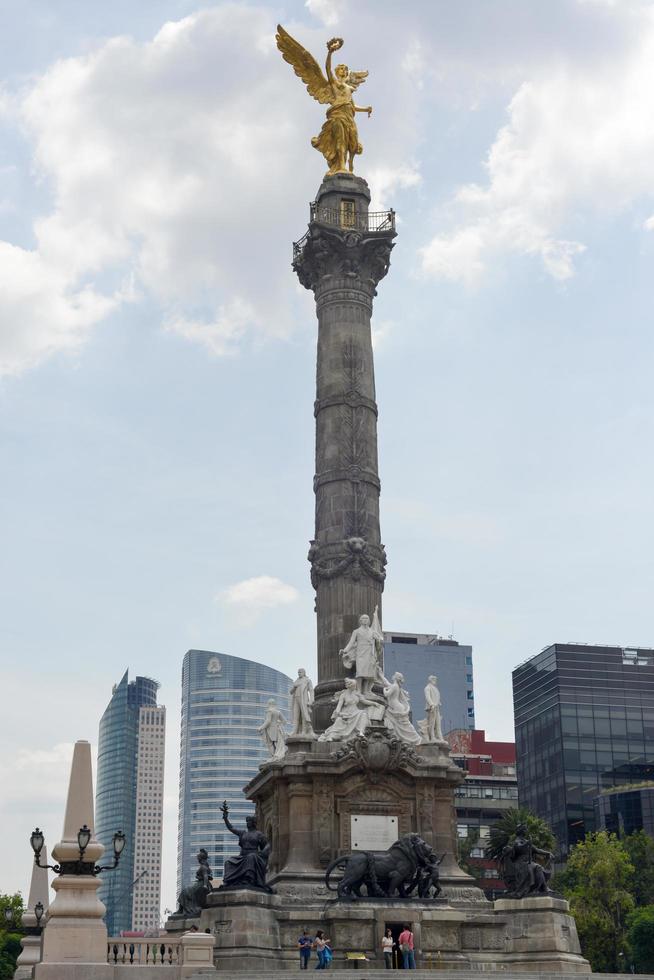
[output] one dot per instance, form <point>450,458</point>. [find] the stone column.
<point>344,255</point>
<point>31,942</point>
<point>75,940</point>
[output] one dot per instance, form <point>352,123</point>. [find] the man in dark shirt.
<point>304,945</point>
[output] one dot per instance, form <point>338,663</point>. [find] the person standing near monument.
<point>434,731</point>
<point>305,943</point>
<point>321,946</point>
<point>387,949</point>
<point>301,701</point>
<point>407,948</point>
<point>361,652</point>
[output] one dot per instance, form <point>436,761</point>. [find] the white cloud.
<point>220,335</point>
<point>384,181</point>
<point>41,309</point>
<point>37,777</point>
<point>174,167</point>
<point>259,593</point>
<point>578,140</point>
<point>327,11</point>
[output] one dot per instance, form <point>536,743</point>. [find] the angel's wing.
<point>304,65</point>
<point>356,78</point>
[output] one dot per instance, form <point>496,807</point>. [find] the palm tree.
<point>504,832</point>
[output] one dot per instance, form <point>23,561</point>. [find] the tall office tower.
<point>490,789</point>
<point>223,704</point>
<point>146,896</point>
<point>129,797</point>
<point>417,655</point>
<point>584,722</point>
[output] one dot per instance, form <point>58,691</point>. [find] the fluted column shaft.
<point>342,265</point>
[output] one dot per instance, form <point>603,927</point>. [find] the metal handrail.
<point>372,221</point>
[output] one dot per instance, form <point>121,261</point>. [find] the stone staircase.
<point>427,974</point>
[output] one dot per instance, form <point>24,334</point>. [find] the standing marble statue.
<point>398,709</point>
<point>301,701</point>
<point>431,728</point>
<point>273,730</point>
<point>361,652</point>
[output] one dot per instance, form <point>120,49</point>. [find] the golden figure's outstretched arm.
<point>333,45</point>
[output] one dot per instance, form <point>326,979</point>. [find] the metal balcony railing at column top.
<point>347,221</point>
<point>373,221</point>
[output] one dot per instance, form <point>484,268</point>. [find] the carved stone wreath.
<point>378,751</point>
<point>354,557</point>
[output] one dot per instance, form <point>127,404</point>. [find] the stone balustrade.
<point>153,951</point>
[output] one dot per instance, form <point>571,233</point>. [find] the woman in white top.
<point>387,949</point>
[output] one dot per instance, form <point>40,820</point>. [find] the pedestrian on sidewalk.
<point>407,948</point>
<point>304,945</point>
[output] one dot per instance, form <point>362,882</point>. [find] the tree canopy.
<point>640,936</point>
<point>597,881</point>
<point>10,934</point>
<point>504,831</point>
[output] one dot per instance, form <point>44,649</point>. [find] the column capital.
<point>331,259</point>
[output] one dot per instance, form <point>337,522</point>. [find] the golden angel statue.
<point>338,140</point>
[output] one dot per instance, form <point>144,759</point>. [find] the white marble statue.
<point>301,701</point>
<point>398,708</point>
<point>361,652</point>
<point>350,716</point>
<point>431,726</point>
<point>273,730</point>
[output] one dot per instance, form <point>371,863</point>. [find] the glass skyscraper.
<point>129,797</point>
<point>223,703</point>
<point>584,722</point>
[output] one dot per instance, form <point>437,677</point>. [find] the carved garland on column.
<point>354,558</point>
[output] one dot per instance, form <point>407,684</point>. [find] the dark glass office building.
<point>625,811</point>
<point>584,722</point>
<point>223,704</point>
<point>116,791</point>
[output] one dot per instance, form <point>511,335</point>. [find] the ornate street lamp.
<point>38,912</point>
<point>79,867</point>
<point>9,914</point>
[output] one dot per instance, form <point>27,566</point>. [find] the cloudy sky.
<point>157,355</point>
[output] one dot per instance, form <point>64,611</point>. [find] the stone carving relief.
<point>362,257</point>
<point>324,808</point>
<point>442,937</point>
<point>377,753</point>
<point>354,557</point>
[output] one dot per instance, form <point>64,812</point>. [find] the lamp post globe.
<point>119,843</point>
<point>83,839</point>
<point>37,841</point>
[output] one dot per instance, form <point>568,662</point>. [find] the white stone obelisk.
<point>31,943</point>
<point>75,940</point>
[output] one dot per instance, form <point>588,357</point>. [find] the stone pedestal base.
<point>29,957</point>
<point>75,938</point>
<point>259,933</point>
<point>245,926</point>
<point>541,935</point>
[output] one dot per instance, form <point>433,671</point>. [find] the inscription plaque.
<point>372,833</point>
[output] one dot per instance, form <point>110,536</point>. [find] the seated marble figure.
<point>248,868</point>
